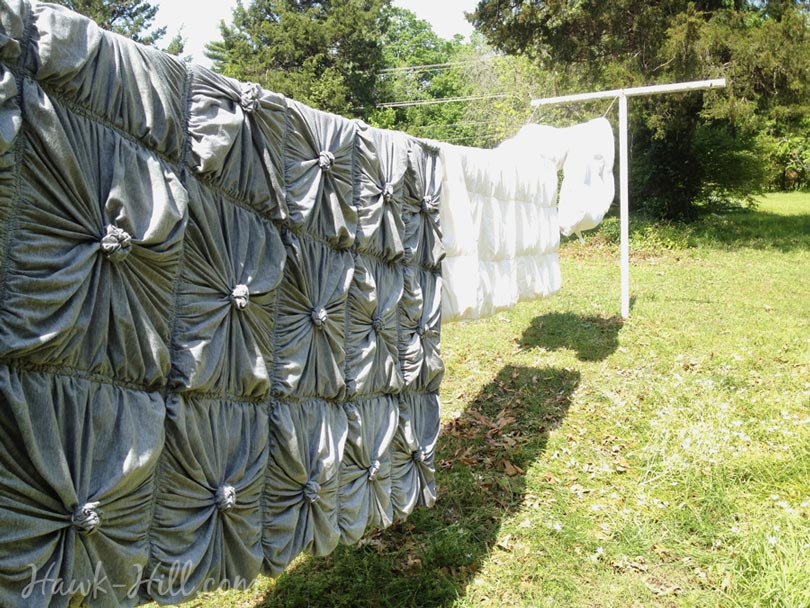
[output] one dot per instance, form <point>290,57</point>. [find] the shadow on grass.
<point>755,229</point>
<point>431,558</point>
<point>593,338</point>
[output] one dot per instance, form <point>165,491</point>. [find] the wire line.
<point>427,102</point>
<point>460,124</point>
<point>434,66</point>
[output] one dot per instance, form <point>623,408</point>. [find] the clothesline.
<point>622,95</point>
<point>613,94</point>
<point>471,123</point>
<point>427,102</point>
<point>431,67</point>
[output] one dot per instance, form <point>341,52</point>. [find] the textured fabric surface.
<point>219,322</point>
<point>499,216</point>
<point>502,219</point>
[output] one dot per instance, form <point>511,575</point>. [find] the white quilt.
<point>500,214</point>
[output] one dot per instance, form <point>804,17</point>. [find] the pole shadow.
<point>431,558</point>
<point>593,338</point>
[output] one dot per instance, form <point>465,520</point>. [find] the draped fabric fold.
<point>237,136</point>
<point>75,296</point>
<point>412,469</point>
<point>310,322</point>
<point>319,156</point>
<point>301,495</point>
<point>365,493</point>
<point>10,124</point>
<point>382,159</point>
<point>226,299</point>
<point>588,187</point>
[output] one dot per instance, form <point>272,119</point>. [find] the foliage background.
<point>687,149</point>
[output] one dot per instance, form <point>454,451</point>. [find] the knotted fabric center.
<point>388,192</point>
<point>421,330</point>
<point>319,317</point>
<point>377,323</point>
<point>373,470</point>
<point>419,455</point>
<point>226,498</point>
<point>250,96</point>
<point>311,490</point>
<point>426,205</point>
<point>325,160</point>
<point>116,243</point>
<point>240,296</point>
<point>86,519</point>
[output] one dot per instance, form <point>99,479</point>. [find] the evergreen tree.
<point>326,54</point>
<point>177,46</point>
<point>131,18</point>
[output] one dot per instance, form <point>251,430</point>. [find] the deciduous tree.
<point>418,68</point>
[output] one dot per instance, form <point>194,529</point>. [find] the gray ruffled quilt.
<point>219,322</point>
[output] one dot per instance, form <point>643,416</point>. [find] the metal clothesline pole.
<point>624,206</point>
<point>624,198</point>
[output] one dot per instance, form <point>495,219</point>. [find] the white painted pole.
<point>624,208</point>
<point>655,89</point>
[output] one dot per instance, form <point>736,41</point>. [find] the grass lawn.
<point>588,461</point>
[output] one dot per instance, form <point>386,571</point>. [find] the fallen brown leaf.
<point>512,469</point>
<point>548,477</point>
<point>662,588</point>
<point>623,564</point>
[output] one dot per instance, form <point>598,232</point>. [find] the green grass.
<point>587,461</point>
